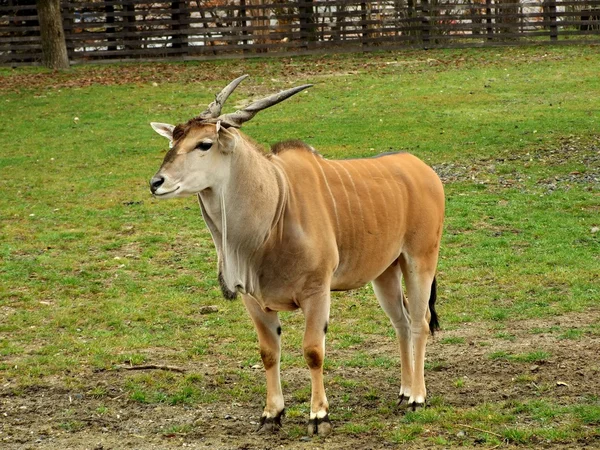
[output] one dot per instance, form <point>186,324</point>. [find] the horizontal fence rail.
<point>144,29</point>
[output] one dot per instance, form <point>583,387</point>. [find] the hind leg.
<point>388,290</point>
<point>418,276</point>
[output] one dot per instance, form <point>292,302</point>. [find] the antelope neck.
<point>242,213</point>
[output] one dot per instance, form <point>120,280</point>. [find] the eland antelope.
<point>290,226</point>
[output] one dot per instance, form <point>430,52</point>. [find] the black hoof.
<point>270,424</point>
<point>415,405</point>
<point>319,427</point>
<point>402,398</point>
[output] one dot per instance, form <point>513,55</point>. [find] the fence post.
<point>550,8</point>
<point>110,28</point>
<point>179,37</point>
<point>131,39</point>
<point>488,20</point>
<point>243,25</point>
<point>425,23</point>
<point>308,31</point>
<point>363,20</point>
<point>68,23</point>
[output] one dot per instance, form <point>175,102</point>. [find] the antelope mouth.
<point>167,193</point>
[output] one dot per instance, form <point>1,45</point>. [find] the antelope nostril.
<point>156,182</point>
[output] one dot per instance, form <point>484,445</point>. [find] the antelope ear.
<point>227,139</point>
<point>164,129</point>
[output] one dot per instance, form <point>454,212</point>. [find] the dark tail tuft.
<point>434,324</point>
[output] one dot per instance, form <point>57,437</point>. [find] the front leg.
<point>316,315</point>
<point>269,339</point>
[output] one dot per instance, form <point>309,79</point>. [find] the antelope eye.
<point>204,145</point>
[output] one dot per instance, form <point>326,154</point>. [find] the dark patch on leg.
<point>268,358</point>
<point>228,294</point>
<point>270,424</point>
<point>279,331</point>
<point>326,326</point>
<point>313,358</point>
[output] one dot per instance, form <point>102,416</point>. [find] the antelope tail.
<point>434,323</point>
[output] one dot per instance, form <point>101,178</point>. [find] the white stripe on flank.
<point>332,165</point>
<point>337,219</point>
<point>371,211</point>
<point>384,206</point>
<point>398,190</point>
<point>362,217</point>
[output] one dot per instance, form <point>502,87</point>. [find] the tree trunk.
<point>54,46</point>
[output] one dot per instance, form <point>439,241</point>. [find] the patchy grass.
<point>455,340</point>
<point>535,356</point>
<point>95,274</point>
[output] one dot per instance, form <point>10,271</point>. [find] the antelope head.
<point>200,150</point>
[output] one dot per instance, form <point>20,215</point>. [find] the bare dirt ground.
<point>39,417</point>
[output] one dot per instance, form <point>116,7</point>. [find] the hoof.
<point>270,425</point>
<point>401,399</point>
<point>319,427</point>
<point>414,405</point>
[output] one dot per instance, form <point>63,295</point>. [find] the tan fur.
<point>291,226</point>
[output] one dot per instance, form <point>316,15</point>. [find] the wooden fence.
<point>149,30</point>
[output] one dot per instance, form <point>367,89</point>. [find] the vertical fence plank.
<point>180,23</point>
<point>243,24</point>
<point>68,25</point>
<point>488,20</point>
<point>308,31</point>
<point>130,26</point>
<point>550,7</point>
<point>425,24</point>
<point>109,9</point>
<point>363,23</point>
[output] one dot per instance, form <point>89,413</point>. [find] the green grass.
<point>94,273</point>
<point>535,356</point>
